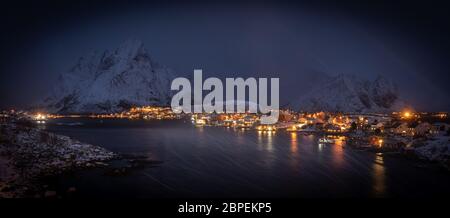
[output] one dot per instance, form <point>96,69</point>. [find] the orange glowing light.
<point>407,114</point>
<point>380,142</point>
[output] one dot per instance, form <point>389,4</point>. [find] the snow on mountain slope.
<point>348,93</point>
<point>104,82</point>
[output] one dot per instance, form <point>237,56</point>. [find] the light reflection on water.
<point>378,173</point>
<point>294,143</point>
<point>294,155</point>
<point>269,141</point>
<point>338,151</point>
<point>260,140</point>
<point>265,140</point>
<point>222,162</point>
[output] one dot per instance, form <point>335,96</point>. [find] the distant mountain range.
<point>104,82</point>
<point>348,93</point>
<point>112,81</point>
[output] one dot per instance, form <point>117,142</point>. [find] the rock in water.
<point>107,81</point>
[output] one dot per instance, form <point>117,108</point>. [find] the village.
<point>422,134</point>
<point>405,124</point>
<point>134,113</point>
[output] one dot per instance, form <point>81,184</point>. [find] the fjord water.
<point>214,162</point>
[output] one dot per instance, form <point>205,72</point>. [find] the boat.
<point>326,140</point>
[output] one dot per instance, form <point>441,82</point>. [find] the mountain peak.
<point>130,48</point>
<point>106,82</point>
<point>349,93</point>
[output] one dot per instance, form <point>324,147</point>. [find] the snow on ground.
<point>437,149</point>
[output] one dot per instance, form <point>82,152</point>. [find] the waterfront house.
<point>379,126</point>
<point>402,129</point>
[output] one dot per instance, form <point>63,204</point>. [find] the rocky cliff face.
<point>104,82</point>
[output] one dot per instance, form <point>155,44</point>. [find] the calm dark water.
<point>214,162</point>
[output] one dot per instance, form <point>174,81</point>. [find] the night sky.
<point>405,41</point>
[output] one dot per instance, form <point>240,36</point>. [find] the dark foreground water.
<point>214,162</point>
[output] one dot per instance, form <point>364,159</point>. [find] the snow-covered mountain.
<point>348,93</point>
<point>107,81</point>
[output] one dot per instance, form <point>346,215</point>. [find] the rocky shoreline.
<point>433,150</point>
<point>28,153</point>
